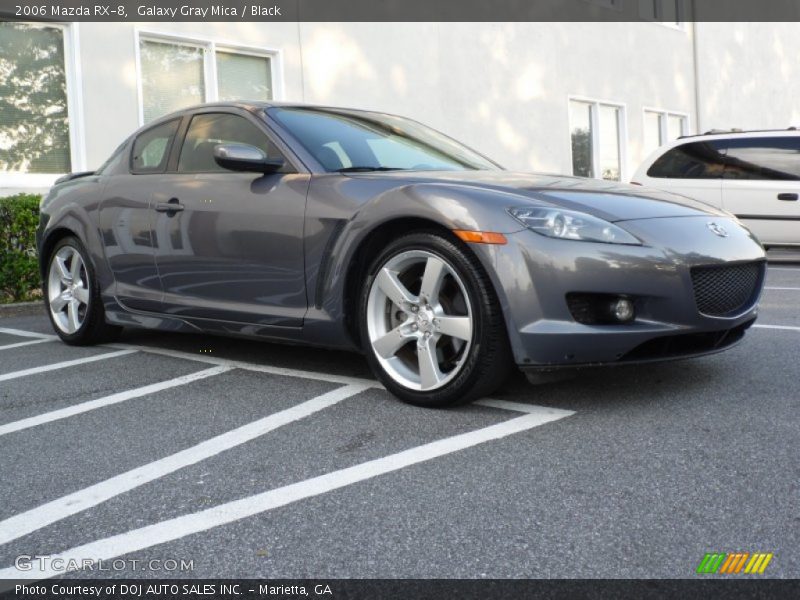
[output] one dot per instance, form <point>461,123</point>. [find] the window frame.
<point>683,9</point>
<point>622,133</point>
<point>75,122</point>
<point>663,127</point>
<point>210,46</point>
<point>607,4</point>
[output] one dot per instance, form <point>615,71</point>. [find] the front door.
<point>229,245</point>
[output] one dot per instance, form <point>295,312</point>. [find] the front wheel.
<point>430,323</point>
<point>73,296</point>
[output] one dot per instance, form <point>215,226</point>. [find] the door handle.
<point>787,196</point>
<point>172,206</point>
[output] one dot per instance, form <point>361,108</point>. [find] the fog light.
<point>623,310</point>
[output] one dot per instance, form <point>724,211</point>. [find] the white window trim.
<point>210,47</point>
<point>662,133</point>
<point>596,103</point>
<point>77,146</point>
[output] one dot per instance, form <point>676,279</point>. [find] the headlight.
<point>572,225</point>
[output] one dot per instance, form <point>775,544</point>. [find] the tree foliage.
<point>19,270</point>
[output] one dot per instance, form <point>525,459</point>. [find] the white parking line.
<point>795,289</point>
<point>83,407</point>
<point>179,527</point>
<point>238,364</point>
<point>785,327</point>
<point>41,516</point>
<point>22,344</point>
<point>64,364</point>
<point>30,334</point>
<point>796,270</point>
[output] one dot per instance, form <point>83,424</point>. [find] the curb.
<point>22,309</point>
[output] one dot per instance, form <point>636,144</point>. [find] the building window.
<point>670,12</point>
<point>176,73</point>
<point>661,127</point>
<point>596,135</point>
<point>34,112</point>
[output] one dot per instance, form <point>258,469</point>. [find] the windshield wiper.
<point>367,169</point>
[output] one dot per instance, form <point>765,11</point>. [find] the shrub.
<point>19,268</point>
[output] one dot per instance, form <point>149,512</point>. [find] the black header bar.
<point>401,10</point>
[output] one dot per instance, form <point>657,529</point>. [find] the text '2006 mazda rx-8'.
<point>361,230</point>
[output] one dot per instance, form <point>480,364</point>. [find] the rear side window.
<point>151,148</point>
<point>776,158</point>
<point>695,160</point>
<point>208,130</point>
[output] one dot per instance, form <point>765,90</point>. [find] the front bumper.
<point>534,273</point>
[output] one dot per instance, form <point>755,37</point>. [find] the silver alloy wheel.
<point>68,289</point>
<point>419,320</point>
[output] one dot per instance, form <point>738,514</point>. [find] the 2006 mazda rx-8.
<point>360,230</point>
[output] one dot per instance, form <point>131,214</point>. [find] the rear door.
<point>125,218</point>
<point>693,169</point>
<point>761,186</point>
<point>232,248</point>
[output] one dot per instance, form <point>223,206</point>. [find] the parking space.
<point>260,460</point>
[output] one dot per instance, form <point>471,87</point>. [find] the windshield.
<point>344,140</point>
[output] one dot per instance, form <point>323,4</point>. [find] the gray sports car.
<point>361,230</point>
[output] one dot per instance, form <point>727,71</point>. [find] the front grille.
<point>724,290</point>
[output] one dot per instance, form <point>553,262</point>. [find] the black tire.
<point>488,359</point>
<point>94,329</point>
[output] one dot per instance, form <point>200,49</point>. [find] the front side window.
<point>34,123</point>
<point>151,149</point>
<point>208,130</point>
<point>177,74</point>
<point>596,136</point>
<point>695,160</point>
<point>776,159</point>
<point>356,140</point>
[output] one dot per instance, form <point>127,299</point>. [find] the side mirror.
<point>243,157</point>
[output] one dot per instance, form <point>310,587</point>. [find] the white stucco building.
<point>522,93</point>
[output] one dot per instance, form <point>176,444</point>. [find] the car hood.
<point>608,200</point>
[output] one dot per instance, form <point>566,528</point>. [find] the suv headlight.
<point>572,225</point>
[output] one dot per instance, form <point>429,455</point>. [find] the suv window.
<point>776,158</point>
<point>151,148</point>
<point>695,160</point>
<point>208,130</point>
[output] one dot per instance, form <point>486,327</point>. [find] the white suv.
<point>755,175</point>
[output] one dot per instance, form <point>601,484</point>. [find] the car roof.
<point>716,134</point>
<point>252,105</point>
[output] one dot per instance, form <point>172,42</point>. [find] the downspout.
<point>696,69</point>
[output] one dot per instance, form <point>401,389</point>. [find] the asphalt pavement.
<point>250,459</point>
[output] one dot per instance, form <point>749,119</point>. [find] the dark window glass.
<point>695,160</point>
<point>151,148</point>
<point>209,130</point>
<point>343,139</point>
<point>776,158</point>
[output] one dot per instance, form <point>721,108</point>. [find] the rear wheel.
<point>73,296</point>
<point>430,323</point>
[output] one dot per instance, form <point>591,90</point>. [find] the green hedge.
<point>19,268</point>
